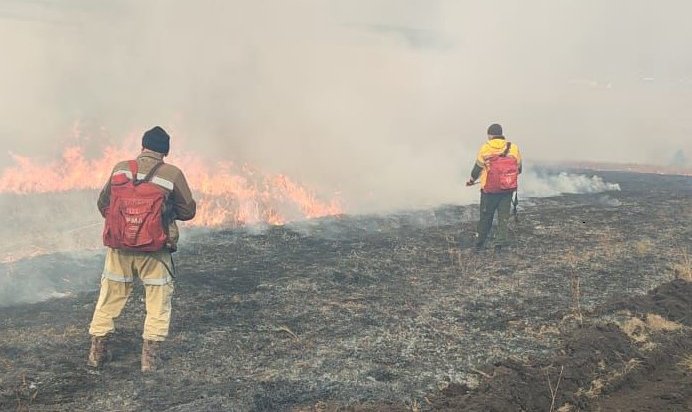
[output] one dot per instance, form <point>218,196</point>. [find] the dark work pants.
<point>491,202</point>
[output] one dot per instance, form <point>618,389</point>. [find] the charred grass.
<point>394,312</point>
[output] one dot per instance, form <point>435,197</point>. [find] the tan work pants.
<point>120,269</point>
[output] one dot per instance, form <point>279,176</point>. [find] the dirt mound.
<point>670,300</point>
<point>599,368</point>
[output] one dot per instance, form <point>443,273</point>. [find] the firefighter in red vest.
<point>498,165</point>
<point>140,245</point>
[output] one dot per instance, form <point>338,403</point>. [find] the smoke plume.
<point>384,101</point>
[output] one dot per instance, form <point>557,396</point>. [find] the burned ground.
<point>392,312</point>
<point>599,365</point>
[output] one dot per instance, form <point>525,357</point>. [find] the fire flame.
<point>227,195</point>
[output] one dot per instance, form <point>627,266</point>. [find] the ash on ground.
<point>369,310</point>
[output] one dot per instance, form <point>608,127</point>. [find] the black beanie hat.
<point>157,140</point>
<point>495,130</point>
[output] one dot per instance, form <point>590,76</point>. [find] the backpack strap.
<point>149,175</point>
<point>133,168</point>
<point>504,154</point>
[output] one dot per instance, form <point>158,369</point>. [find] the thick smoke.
<point>384,101</point>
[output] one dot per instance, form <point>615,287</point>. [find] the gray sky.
<point>384,99</point>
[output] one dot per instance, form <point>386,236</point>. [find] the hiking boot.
<point>150,352</point>
<point>98,351</point>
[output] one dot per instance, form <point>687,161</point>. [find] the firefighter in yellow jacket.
<point>494,200</point>
<point>155,268</point>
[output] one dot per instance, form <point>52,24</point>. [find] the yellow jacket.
<point>492,147</point>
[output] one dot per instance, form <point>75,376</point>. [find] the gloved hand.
<point>470,182</point>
